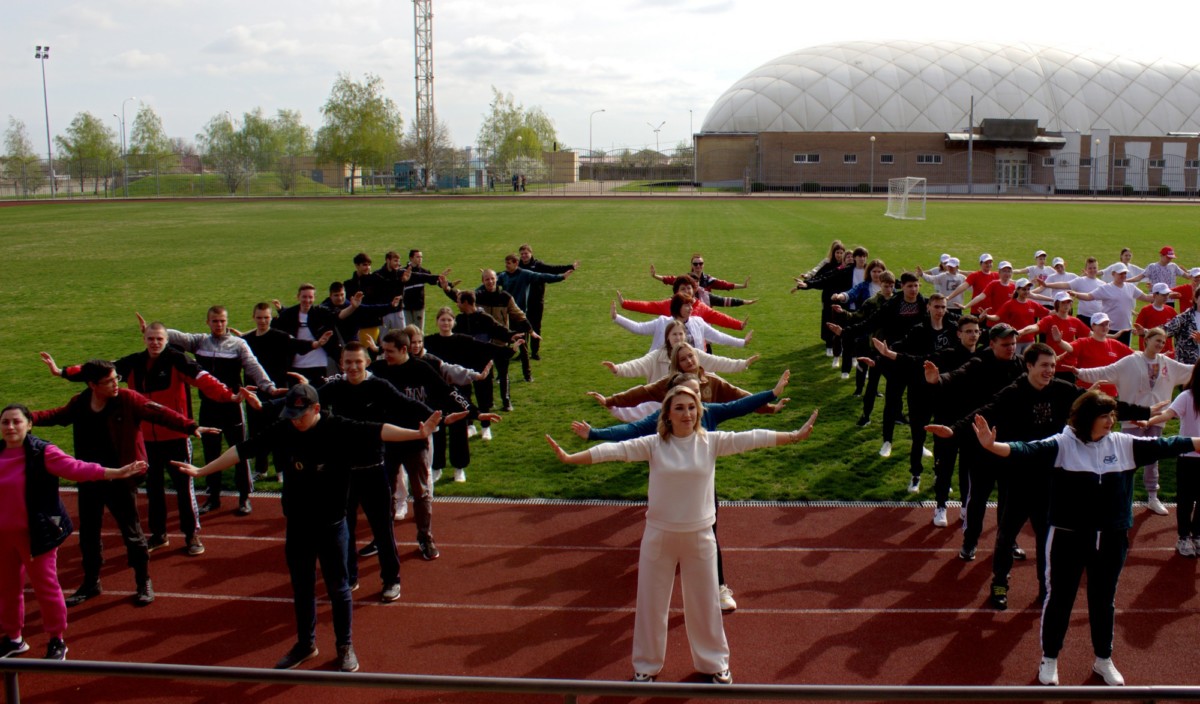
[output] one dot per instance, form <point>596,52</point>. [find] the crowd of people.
<point>357,408</point>
<point>984,348</point>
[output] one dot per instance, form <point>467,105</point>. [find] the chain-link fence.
<point>632,173</point>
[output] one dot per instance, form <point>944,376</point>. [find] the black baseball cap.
<point>299,399</point>
<point>999,331</point>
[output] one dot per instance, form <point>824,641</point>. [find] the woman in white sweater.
<point>699,332</point>
<point>679,516</point>
<point>656,363</point>
<point>1144,378</point>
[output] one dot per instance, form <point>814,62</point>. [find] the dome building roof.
<point>912,86</point>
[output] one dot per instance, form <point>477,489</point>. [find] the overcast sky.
<point>642,61</point>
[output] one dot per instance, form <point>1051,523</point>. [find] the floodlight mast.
<point>423,49</point>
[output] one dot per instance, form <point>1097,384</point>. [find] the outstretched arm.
<point>578,458</point>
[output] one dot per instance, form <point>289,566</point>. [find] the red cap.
<point>1167,252</point>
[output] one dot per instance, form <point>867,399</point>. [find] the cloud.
<point>256,40</point>
<point>85,17</point>
<point>136,59</point>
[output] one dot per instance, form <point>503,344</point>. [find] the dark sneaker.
<point>57,650</point>
<point>244,508</point>
<point>194,546</point>
<point>9,648</point>
<point>369,549</point>
<point>862,422</point>
<point>347,661</point>
<point>428,550</point>
<point>210,506</point>
<point>901,419</point>
<point>391,593</point>
<point>722,677</point>
<point>1000,596</point>
<point>1018,553</point>
<point>145,594</point>
<point>156,542</point>
<point>639,677</point>
<point>82,594</point>
<point>298,654</point>
<point>535,357</point>
<point>967,554</point>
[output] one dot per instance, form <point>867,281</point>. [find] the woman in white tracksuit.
<point>1144,378</point>
<point>679,516</point>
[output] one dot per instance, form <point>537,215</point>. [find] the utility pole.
<point>423,48</point>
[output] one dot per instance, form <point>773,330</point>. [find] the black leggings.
<point>1187,496</point>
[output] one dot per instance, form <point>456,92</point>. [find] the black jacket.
<point>49,524</point>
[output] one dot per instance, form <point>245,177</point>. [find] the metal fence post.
<point>12,688</point>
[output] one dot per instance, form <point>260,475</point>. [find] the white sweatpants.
<point>696,555</point>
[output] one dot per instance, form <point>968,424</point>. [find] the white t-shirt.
<point>1118,303</point>
<point>1189,420</point>
<point>1106,272</point>
<point>314,358</point>
<point>1083,284</point>
<point>944,283</point>
<point>1064,277</point>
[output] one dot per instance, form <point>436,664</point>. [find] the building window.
<point>929,158</point>
<point>1192,164</point>
<point>1047,161</point>
<point>1085,161</point>
<point>806,159</point>
<point>849,158</point>
<point>887,158</point>
<point>1158,163</point>
<point>1121,163</point>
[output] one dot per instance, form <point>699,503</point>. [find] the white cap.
<point>1039,253</point>
<point>1194,271</point>
<point>1119,268</point>
<point>1023,282</point>
<point>944,258</point>
<point>985,257</point>
<point>1099,318</point>
<point>1057,261</point>
<point>1004,265</point>
<point>1062,296</point>
<point>953,261</point>
<point>1160,288</point>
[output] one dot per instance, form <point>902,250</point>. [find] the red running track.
<point>826,595</point>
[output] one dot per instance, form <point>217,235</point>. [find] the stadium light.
<point>41,54</point>
<point>124,146</point>
<point>872,163</point>
<point>1095,165</point>
<point>656,130</point>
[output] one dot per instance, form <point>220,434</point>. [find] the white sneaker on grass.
<point>472,431</point>
<point>914,485</point>
<point>885,450</point>
<point>460,475</point>
<point>486,434</point>
<point>926,452</point>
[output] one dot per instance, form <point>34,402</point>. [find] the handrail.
<point>570,689</point>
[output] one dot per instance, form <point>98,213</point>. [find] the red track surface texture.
<point>825,595</point>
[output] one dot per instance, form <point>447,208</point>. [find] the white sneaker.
<point>1155,505</point>
<point>1106,669</point>
<point>437,476</point>
<point>726,597</point>
<point>1196,544</point>
<point>914,485</point>
<point>828,351</point>
<point>926,452</point>
<point>886,450</point>
<point>1185,547</point>
<point>1048,671</point>
<point>837,362</point>
<point>486,434</point>
<point>845,375</point>
<point>472,431</point>
<point>939,518</point>
<point>402,513</point>
<point>460,475</point>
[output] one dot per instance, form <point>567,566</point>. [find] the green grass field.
<point>75,273</point>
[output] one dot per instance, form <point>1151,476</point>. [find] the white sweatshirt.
<point>1131,376</point>
<point>655,364</point>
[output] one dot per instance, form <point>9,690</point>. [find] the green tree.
<point>89,147</point>
<point>150,148</point>
<point>225,151</point>
<point>362,126</point>
<point>435,153</point>
<point>684,153</point>
<point>504,122</point>
<point>294,139</point>
<point>21,163</point>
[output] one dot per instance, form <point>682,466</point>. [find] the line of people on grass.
<point>963,364</point>
<point>338,423</point>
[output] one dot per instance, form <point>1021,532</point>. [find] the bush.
<point>1163,190</point>
<point>864,188</point>
<point>1126,190</point>
<point>810,187</point>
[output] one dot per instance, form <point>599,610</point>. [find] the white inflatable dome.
<point>909,86</point>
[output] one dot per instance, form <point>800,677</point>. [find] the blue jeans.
<point>305,545</point>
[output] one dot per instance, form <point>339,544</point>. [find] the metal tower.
<point>423,48</point>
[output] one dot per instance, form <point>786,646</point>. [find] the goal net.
<point>906,198</point>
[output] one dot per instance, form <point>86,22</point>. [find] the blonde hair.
<point>680,349</point>
<point>664,419</point>
<point>1153,333</point>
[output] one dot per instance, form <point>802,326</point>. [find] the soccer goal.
<point>906,198</point>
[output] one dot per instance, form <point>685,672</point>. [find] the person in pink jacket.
<point>33,523</point>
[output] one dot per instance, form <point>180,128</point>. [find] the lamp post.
<point>872,164</point>
<point>1095,165</point>
<point>656,130</point>
<point>41,54</point>
<point>124,148</point>
<point>591,157</point>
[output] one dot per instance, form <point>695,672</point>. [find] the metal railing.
<point>570,690</point>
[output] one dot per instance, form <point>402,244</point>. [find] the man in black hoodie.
<point>536,303</point>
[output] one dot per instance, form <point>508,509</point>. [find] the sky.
<point>646,63</point>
